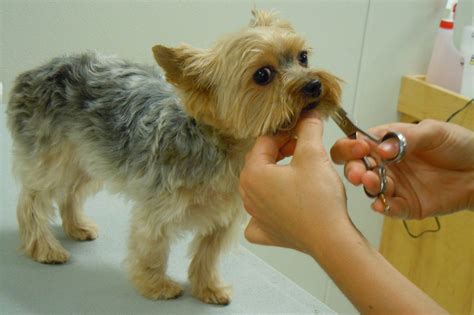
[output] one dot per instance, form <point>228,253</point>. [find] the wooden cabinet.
<point>440,263</point>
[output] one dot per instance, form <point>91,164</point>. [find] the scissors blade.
<point>345,124</point>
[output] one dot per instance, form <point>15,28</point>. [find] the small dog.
<point>175,148</point>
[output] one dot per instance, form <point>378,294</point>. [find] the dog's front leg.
<point>148,258</point>
<point>203,271</point>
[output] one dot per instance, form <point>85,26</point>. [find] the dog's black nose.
<point>313,88</point>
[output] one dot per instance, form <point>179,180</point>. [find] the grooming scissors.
<point>351,131</point>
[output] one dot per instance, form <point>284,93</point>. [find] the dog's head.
<point>250,83</point>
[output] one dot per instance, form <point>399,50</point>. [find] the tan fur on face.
<point>217,86</point>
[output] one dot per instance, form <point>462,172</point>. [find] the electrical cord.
<point>438,224</point>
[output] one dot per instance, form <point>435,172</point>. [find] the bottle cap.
<point>446,24</point>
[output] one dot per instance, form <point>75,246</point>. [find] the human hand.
<point>293,205</point>
<point>302,206</point>
<point>435,177</point>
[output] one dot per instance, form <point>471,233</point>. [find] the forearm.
<point>366,278</point>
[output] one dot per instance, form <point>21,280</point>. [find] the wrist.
<point>334,237</point>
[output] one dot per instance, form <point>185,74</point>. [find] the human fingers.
<point>266,149</point>
<point>243,196</point>
<point>381,130</point>
<point>353,171</point>
<point>309,127</point>
<point>371,182</point>
<point>426,135</point>
<point>389,149</point>
<point>288,148</point>
<point>398,208</point>
<point>347,149</point>
<point>254,234</point>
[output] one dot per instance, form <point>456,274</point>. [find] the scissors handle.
<point>402,146</point>
<point>351,130</point>
<point>382,172</point>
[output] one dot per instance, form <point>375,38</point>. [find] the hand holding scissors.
<point>352,131</point>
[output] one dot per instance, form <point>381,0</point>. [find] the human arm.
<point>435,177</point>
<point>302,206</point>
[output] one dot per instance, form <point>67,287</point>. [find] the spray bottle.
<point>446,64</point>
<point>467,50</point>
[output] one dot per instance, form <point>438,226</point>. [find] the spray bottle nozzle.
<point>448,23</point>
<point>450,4</point>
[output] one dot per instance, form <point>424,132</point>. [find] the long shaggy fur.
<point>174,149</point>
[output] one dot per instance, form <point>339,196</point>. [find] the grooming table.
<point>94,281</point>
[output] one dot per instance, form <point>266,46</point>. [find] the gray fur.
<point>125,113</point>
<point>85,119</point>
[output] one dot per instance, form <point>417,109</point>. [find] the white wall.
<point>368,43</point>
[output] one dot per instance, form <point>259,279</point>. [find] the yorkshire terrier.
<point>174,144</point>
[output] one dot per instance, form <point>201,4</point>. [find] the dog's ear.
<point>268,18</point>
<point>183,65</point>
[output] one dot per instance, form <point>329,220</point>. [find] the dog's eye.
<point>303,58</point>
<point>263,76</point>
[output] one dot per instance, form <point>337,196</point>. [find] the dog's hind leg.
<point>75,224</point>
<point>147,259</point>
<point>33,212</point>
<point>203,270</point>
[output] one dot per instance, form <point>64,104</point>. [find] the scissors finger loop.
<point>383,181</point>
<point>402,145</point>
<point>383,178</point>
<point>368,164</point>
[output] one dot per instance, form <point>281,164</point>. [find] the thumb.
<point>389,149</point>
<point>309,132</point>
<point>310,126</point>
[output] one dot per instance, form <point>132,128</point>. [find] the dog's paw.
<point>47,253</point>
<point>214,295</point>
<point>86,231</point>
<point>165,289</point>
